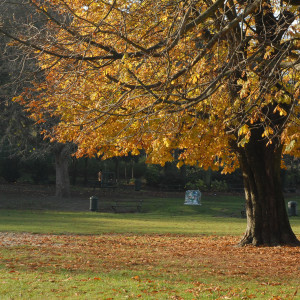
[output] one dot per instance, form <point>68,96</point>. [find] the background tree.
<point>20,137</point>
<point>217,80</point>
<point>13,118</point>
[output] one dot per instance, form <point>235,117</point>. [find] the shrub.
<point>197,185</point>
<point>39,171</point>
<point>152,175</point>
<point>219,186</point>
<point>10,169</point>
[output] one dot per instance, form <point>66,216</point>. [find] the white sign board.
<point>192,197</point>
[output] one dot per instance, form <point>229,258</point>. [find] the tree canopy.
<point>191,75</point>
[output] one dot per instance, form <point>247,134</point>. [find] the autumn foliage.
<point>125,76</point>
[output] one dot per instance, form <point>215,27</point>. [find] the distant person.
<point>100,178</point>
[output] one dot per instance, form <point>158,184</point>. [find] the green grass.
<point>218,215</point>
<point>120,285</point>
<point>93,223</point>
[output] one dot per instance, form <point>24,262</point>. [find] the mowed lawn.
<point>169,251</point>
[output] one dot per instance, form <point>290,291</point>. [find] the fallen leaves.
<point>208,254</point>
<point>136,278</point>
<point>155,256</point>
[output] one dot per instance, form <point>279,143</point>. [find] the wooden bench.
<point>127,205</point>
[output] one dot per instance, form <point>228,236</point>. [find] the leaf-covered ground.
<point>152,266</point>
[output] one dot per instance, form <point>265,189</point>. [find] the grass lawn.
<point>169,251</point>
<point>218,215</point>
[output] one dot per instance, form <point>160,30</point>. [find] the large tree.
<point>217,80</point>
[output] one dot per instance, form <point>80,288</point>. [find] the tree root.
<point>250,240</point>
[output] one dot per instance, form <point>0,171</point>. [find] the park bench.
<point>127,205</point>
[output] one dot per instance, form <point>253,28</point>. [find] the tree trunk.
<point>267,220</point>
<point>62,174</point>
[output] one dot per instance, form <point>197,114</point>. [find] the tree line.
<point>82,172</point>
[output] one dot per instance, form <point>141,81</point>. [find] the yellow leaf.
<point>93,96</point>
<point>268,131</point>
<point>179,164</point>
<point>243,130</point>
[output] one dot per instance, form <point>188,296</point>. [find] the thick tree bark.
<point>267,220</point>
<point>62,173</point>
